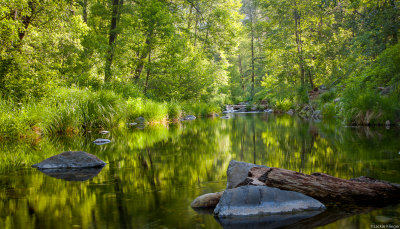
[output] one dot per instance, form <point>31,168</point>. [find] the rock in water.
<point>104,132</point>
<point>237,172</point>
<point>101,141</point>
<point>225,117</point>
<point>189,117</point>
<point>263,200</point>
<point>209,200</point>
<point>70,159</point>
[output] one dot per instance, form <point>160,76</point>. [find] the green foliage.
<point>283,104</point>
<point>329,110</point>
<point>302,95</point>
<point>362,106</point>
<point>174,110</point>
<point>328,96</point>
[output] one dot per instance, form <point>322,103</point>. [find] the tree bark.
<point>326,188</point>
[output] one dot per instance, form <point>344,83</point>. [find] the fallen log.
<point>326,188</point>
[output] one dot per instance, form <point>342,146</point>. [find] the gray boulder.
<point>101,141</point>
<point>290,112</point>
<point>209,200</point>
<point>225,117</point>
<point>140,120</point>
<point>269,111</point>
<point>70,159</point>
<point>263,200</point>
<point>237,172</point>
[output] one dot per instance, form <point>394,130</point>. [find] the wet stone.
<point>70,159</point>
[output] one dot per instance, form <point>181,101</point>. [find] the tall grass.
<point>72,111</point>
<point>363,106</point>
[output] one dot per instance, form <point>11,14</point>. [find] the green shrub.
<point>174,110</point>
<point>284,104</point>
<point>329,110</point>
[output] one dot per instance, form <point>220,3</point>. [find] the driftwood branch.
<point>326,188</point>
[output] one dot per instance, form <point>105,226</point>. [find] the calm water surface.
<point>153,174</point>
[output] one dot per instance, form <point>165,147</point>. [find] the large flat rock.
<point>263,200</point>
<point>71,159</point>
<point>237,172</point>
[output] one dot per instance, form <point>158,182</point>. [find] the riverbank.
<point>353,106</point>
<point>71,111</point>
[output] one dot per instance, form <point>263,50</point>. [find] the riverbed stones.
<point>71,159</point>
<point>263,200</point>
<point>237,172</point>
<point>189,117</point>
<point>209,200</point>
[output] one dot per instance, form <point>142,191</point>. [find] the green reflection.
<point>154,174</point>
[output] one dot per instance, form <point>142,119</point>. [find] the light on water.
<point>153,174</point>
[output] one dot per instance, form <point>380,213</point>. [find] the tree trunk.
<point>84,13</point>
<point>142,58</point>
<point>113,35</point>
<point>252,55</point>
<point>26,20</point>
<point>241,73</point>
<point>148,72</point>
<point>298,43</point>
<point>326,188</point>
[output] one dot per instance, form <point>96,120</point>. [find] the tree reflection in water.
<point>153,174</point>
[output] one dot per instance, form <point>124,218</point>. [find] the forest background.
<point>70,66</point>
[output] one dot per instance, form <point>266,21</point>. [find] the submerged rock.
<point>101,141</point>
<point>209,200</point>
<point>237,172</point>
<point>80,174</point>
<point>269,221</point>
<point>263,200</point>
<point>71,159</point>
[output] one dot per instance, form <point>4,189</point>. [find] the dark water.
<point>152,175</point>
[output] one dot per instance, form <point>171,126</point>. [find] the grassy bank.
<point>74,111</point>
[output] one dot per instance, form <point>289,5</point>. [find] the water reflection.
<point>81,174</point>
<point>153,174</point>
